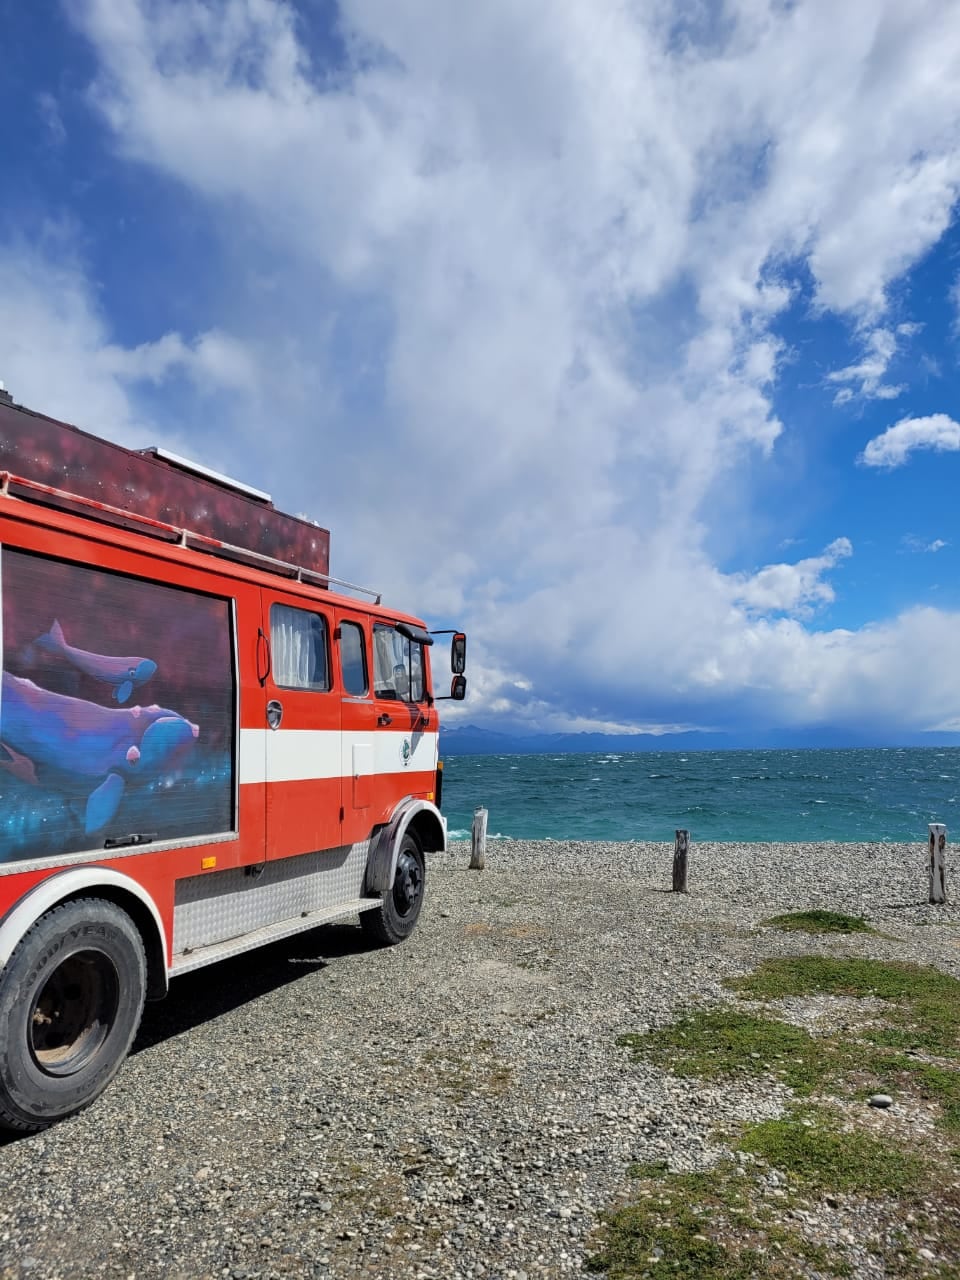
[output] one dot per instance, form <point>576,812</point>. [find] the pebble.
<point>457,1106</point>
<point>881,1100</point>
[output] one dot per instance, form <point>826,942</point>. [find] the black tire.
<point>70,1004</point>
<point>397,914</point>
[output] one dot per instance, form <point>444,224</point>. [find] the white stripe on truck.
<point>297,755</point>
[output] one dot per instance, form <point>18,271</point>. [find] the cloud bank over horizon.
<point>595,328</point>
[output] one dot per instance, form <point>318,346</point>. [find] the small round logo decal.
<point>405,751</point>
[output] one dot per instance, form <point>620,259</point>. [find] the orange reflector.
<point>429,795</point>
<point>207,864</point>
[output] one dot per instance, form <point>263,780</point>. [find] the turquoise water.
<point>852,794</point>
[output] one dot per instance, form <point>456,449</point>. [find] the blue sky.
<point>624,335</point>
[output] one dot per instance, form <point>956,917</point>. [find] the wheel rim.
<point>408,883</point>
<point>73,1013</point>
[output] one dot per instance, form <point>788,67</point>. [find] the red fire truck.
<point>203,747</point>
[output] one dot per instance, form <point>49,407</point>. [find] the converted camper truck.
<point>203,747</point>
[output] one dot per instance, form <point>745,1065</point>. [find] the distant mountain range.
<point>473,740</point>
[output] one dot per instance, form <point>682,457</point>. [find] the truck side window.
<point>397,666</point>
<point>384,662</point>
<point>353,658</point>
<point>299,648</point>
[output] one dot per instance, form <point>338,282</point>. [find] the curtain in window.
<point>299,650</point>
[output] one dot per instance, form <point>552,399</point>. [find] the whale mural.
<point>86,750</point>
<point>80,767</point>
<point>125,674</point>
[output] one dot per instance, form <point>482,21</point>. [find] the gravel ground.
<point>456,1106</point>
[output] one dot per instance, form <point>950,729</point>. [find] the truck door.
<point>302,716</point>
<point>405,721</point>
<point>359,725</point>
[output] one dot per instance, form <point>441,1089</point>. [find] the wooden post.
<point>478,840</point>
<point>680,862</point>
<point>938,862</point>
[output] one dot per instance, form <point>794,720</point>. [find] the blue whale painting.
<point>125,674</point>
<point>85,751</point>
<point>82,766</point>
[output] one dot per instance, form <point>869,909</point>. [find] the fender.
<point>382,861</point>
<point>67,884</point>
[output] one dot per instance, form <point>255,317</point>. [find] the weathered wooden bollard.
<point>938,862</point>
<point>478,840</point>
<point>680,862</point>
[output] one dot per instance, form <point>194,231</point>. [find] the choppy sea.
<point>854,794</point>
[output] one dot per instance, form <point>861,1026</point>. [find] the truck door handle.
<point>263,646</point>
<point>384,719</point>
<point>274,713</point>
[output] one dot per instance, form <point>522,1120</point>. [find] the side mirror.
<point>458,653</point>
<point>458,688</point>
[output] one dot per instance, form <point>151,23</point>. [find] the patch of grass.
<point>728,1223</point>
<point>926,1002</point>
<point>814,1152</point>
<point>940,1084</point>
<point>639,1241</point>
<point>890,1037</point>
<point>714,1225</point>
<point>722,1224</point>
<point>726,1041</point>
<point>820,922</point>
<point>677,1227</point>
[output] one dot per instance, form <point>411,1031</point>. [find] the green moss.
<point>714,1224</point>
<point>820,922</point>
<point>681,1225</point>
<point>727,1224</point>
<point>940,1085</point>
<point>926,1002</point>
<point>815,1153</point>
<point>726,1041</point>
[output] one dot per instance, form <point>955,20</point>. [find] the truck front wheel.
<point>397,914</point>
<point>70,1004</point>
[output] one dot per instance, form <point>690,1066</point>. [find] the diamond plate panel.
<point>228,904</point>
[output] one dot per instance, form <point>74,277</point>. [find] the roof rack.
<point>14,486</point>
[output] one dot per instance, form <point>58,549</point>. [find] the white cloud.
<point>56,355</point>
<point>893,447</point>
<point>214,360</point>
<point>51,339</point>
<point>579,231</point>
<point>912,543</point>
<point>793,588</point>
<point>866,377</point>
<point>49,110</point>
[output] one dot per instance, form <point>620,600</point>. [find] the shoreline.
<point>877,880</point>
<point>458,1107</point>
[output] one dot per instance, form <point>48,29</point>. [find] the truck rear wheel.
<point>70,1004</point>
<point>397,914</point>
